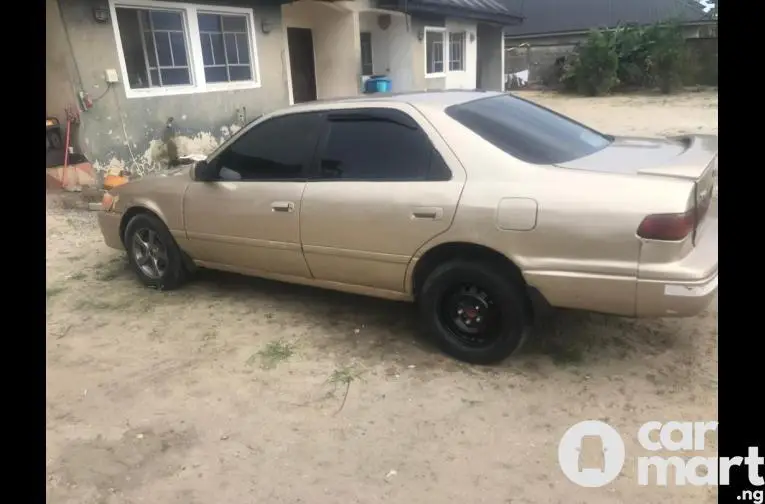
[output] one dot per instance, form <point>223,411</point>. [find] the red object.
<point>667,227</point>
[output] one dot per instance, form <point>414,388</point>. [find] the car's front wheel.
<point>153,254</point>
<point>475,313</point>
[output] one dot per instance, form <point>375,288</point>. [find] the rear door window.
<point>377,144</point>
<point>527,131</point>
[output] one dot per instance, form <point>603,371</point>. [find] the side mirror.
<point>203,171</point>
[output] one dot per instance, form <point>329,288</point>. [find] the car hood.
<point>170,172</point>
<point>683,156</point>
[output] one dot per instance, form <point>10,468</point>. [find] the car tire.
<point>492,302</point>
<point>153,253</point>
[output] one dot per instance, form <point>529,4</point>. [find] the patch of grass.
<point>273,353</point>
<point>110,270</point>
<point>563,355</point>
<point>343,376</point>
<point>96,304</point>
<point>53,291</point>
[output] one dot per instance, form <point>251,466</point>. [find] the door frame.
<point>346,255</point>
<point>314,169</point>
<point>350,108</point>
<point>288,62</point>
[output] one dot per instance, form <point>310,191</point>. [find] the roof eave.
<point>484,16</point>
<point>701,22</point>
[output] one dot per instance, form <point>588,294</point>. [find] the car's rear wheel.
<point>153,254</point>
<point>475,313</point>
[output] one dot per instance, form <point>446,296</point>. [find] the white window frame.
<point>463,50</point>
<point>445,45</point>
<point>194,44</point>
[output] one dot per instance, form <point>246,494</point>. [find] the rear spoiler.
<point>700,155</point>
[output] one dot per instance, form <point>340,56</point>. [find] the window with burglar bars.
<point>457,51</point>
<point>367,68</point>
<point>163,42</point>
<point>161,52</point>
<point>434,56</point>
<point>225,47</point>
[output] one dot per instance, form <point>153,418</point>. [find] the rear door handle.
<point>429,213</point>
<point>282,206</point>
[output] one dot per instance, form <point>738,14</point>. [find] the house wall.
<point>701,67</point>
<point>466,79</point>
<point>490,58</point>
<point>453,80</point>
<point>539,58</point>
<point>336,44</point>
<point>401,51</point>
<point>60,72</point>
<point>381,60</point>
<point>392,48</point>
<point>122,132</point>
<point>418,54</point>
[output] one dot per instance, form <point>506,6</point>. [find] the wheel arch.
<point>140,209</point>
<point>449,251</point>
<point>134,210</point>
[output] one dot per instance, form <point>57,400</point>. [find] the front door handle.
<point>429,213</point>
<point>282,206</point>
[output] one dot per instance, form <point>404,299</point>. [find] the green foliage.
<point>666,56</point>
<point>592,70</point>
<point>632,49</point>
<point>627,57</point>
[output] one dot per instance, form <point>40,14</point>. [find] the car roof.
<point>429,99</point>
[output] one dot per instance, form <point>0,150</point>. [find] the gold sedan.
<point>479,206</point>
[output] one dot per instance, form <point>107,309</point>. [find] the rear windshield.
<point>528,131</point>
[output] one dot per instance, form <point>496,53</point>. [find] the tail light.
<point>668,227</point>
<point>703,201</point>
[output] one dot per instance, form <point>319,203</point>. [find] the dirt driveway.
<point>233,390</point>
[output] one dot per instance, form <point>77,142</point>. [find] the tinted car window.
<point>438,168</point>
<point>385,145</point>
<point>527,131</point>
<point>277,149</point>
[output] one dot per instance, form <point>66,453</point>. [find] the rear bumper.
<point>675,299</point>
<point>684,288</point>
<point>679,289</point>
<point>109,222</point>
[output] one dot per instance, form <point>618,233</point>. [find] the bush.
<point>632,49</point>
<point>592,68</point>
<point>666,56</point>
<point>627,57</point>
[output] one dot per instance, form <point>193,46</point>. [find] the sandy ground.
<point>232,390</point>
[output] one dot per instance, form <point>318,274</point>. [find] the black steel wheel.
<point>471,315</point>
<point>475,313</point>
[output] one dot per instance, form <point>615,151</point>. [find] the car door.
<point>247,219</point>
<point>380,188</point>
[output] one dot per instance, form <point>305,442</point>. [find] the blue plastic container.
<point>378,84</point>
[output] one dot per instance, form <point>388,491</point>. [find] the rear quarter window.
<point>527,131</point>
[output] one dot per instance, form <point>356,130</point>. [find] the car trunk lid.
<point>688,157</point>
<point>685,156</point>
